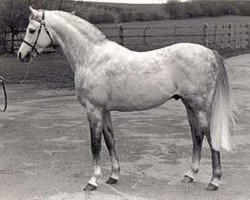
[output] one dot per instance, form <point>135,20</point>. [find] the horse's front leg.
<point>95,118</point>
<point>110,143</point>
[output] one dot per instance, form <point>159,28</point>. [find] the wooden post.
<point>5,38</point>
<point>204,36</point>
<point>215,35</point>
<point>248,35</point>
<point>144,35</point>
<point>12,42</point>
<point>229,36</point>
<point>60,5</point>
<point>241,36</point>
<point>222,36</point>
<point>120,35</point>
<point>174,34</point>
<point>235,40</point>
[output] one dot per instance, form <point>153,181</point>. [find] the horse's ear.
<point>35,12</point>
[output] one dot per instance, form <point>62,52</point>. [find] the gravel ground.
<point>45,143</point>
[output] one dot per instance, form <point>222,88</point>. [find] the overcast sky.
<point>132,1</point>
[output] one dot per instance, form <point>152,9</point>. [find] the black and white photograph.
<point>124,99</point>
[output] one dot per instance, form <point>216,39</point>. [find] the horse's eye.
<point>32,31</point>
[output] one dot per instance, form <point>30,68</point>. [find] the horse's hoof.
<point>111,181</point>
<point>187,179</point>
<point>90,187</point>
<point>212,187</point>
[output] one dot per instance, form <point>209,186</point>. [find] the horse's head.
<point>37,36</point>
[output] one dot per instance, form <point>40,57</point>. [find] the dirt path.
<point>45,145</point>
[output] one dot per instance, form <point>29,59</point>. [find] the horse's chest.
<point>90,88</point>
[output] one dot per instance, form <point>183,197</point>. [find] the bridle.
<point>42,24</point>
<point>5,94</point>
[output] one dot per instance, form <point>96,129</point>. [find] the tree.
<point>14,14</point>
<point>49,4</point>
<point>193,9</point>
<point>175,9</point>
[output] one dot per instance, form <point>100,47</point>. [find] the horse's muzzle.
<point>25,58</point>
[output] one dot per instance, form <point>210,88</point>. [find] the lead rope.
<point>5,94</point>
<point>26,73</point>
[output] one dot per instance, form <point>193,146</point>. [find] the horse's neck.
<point>74,43</point>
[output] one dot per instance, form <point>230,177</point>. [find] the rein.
<point>5,94</point>
<point>42,24</point>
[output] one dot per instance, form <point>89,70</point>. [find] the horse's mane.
<point>83,26</point>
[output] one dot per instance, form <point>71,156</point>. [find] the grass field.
<point>222,20</point>
<point>166,27</point>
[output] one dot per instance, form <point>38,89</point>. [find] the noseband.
<point>42,24</point>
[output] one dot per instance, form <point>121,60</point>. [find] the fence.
<point>215,37</point>
<point>12,41</point>
<point>234,37</point>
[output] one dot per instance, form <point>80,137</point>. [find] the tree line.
<point>14,13</point>
<point>212,8</point>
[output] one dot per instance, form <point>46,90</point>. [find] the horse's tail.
<point>223,110</point>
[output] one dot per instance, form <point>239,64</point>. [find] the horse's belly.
<point>140,95</point>
<point>135,104</point>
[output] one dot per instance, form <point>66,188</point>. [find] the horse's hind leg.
<point>199,127</point>
<point>197,137</point>
<point>110,143</point>
<point>214,184</point>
